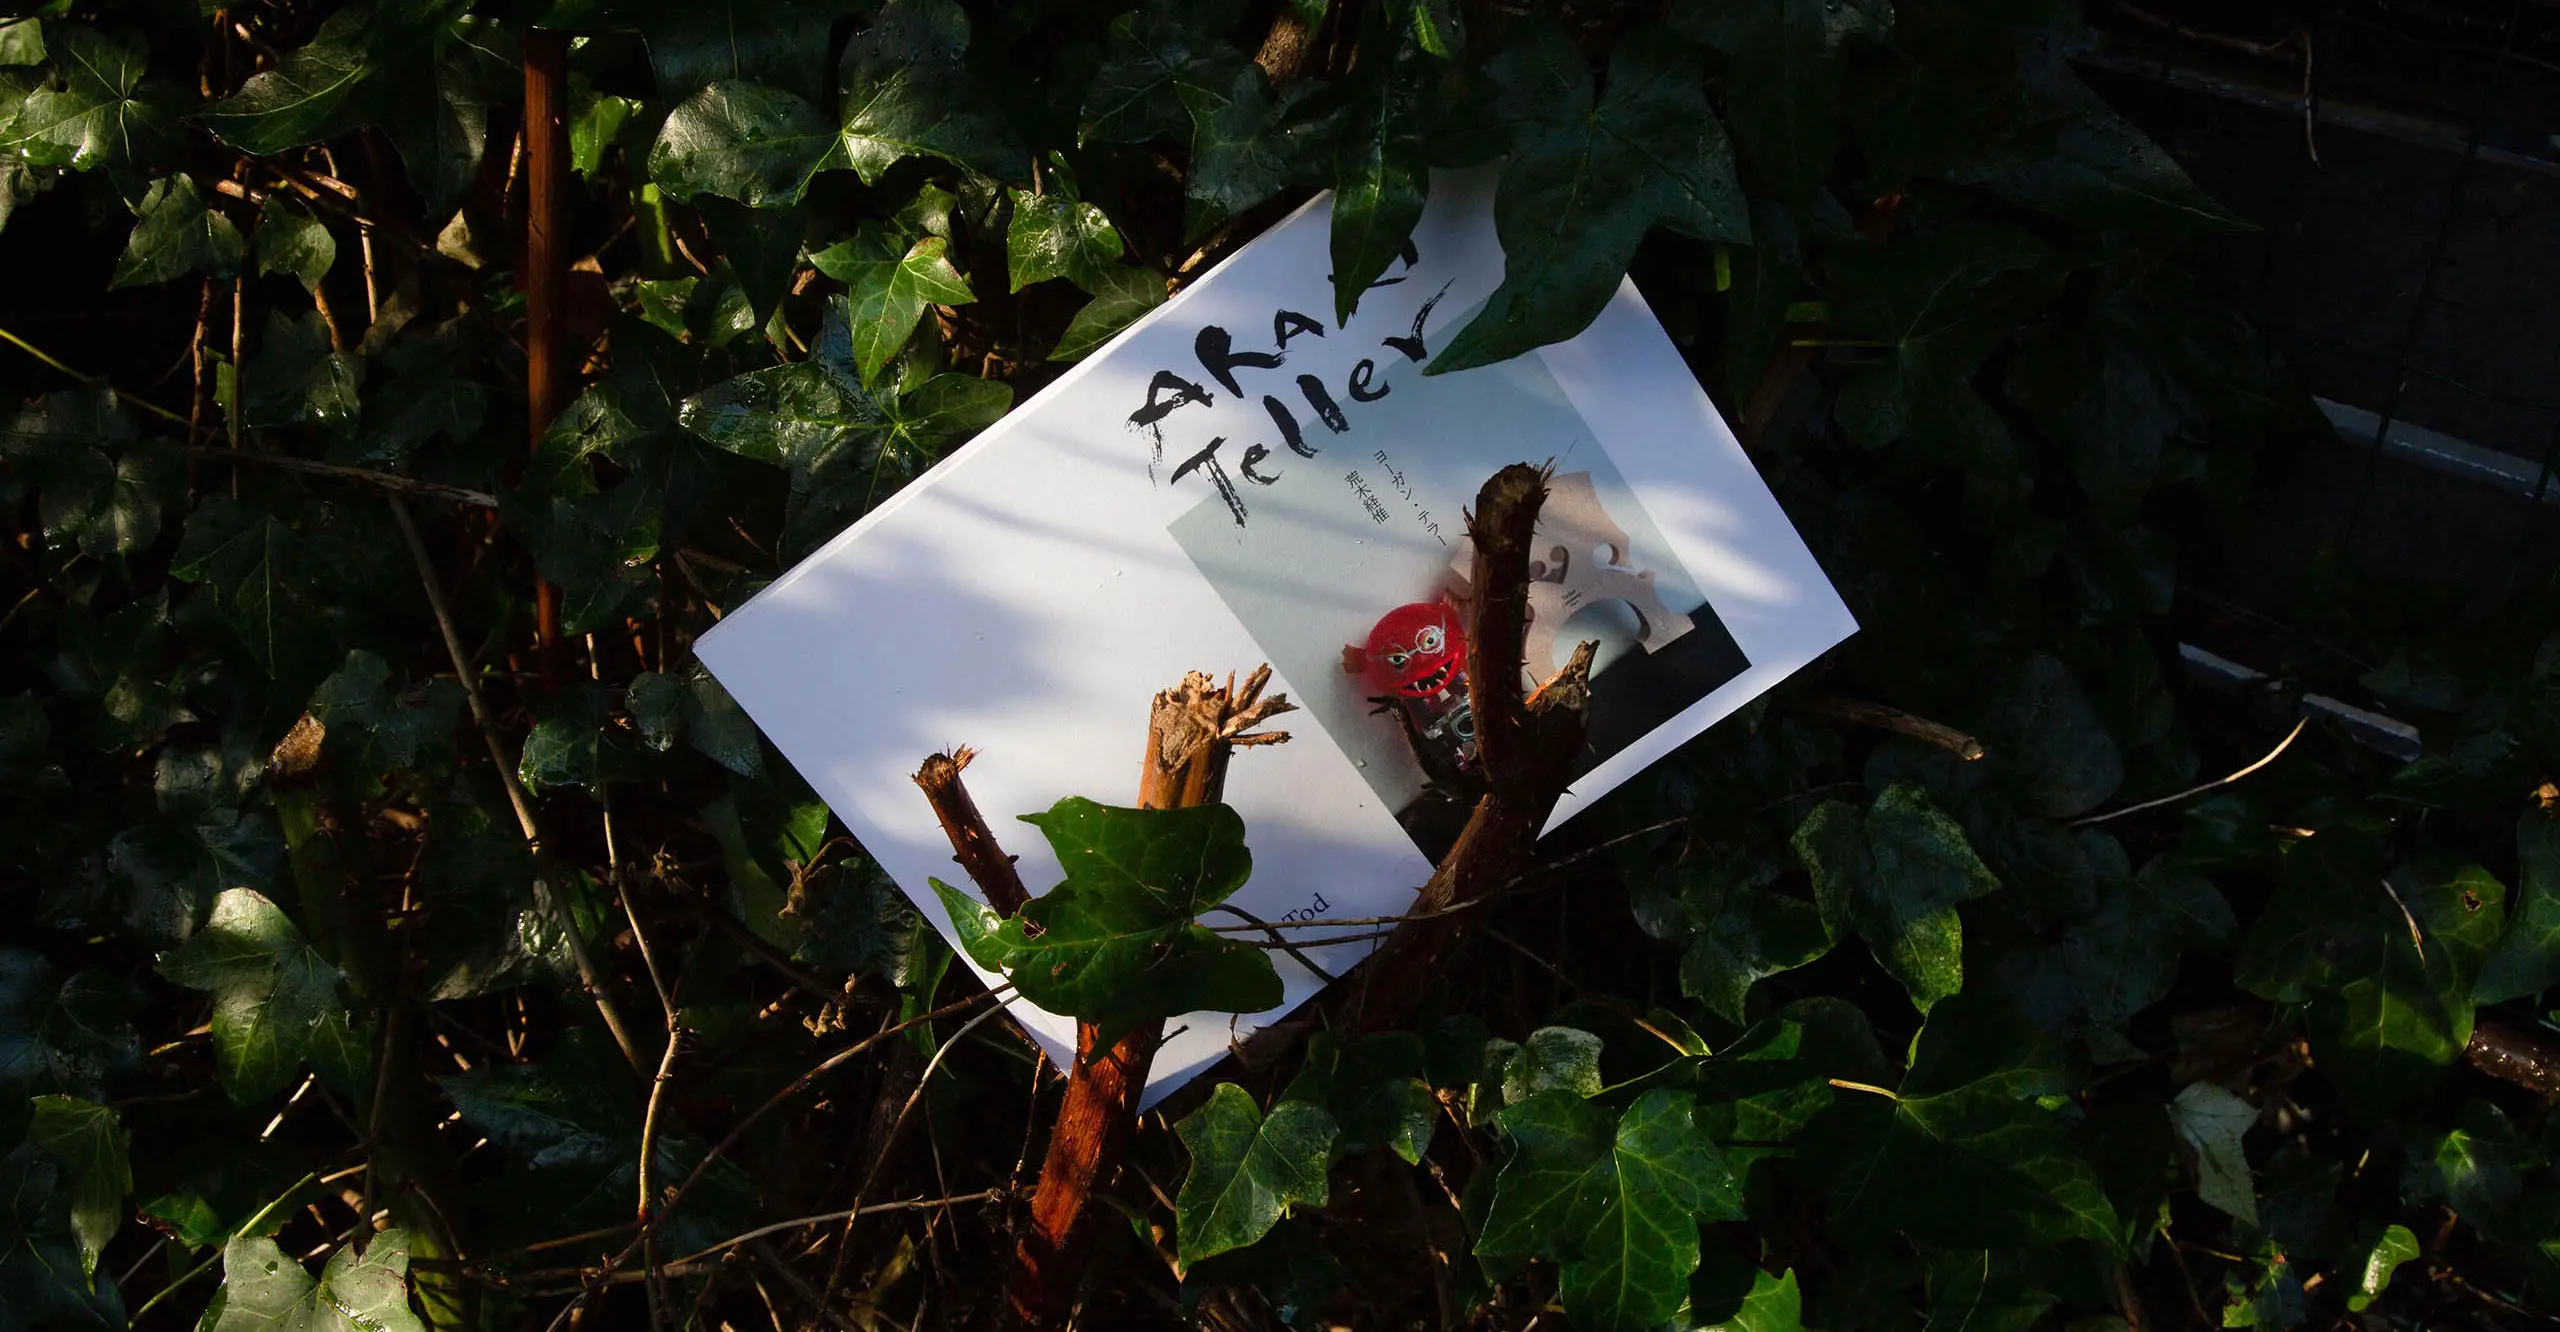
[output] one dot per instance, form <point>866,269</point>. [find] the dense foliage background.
<point>1821,1023</point>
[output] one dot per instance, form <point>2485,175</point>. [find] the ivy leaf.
<point>1248,1169</point>
<point>1152,57</point>
<point>1782,80</point>
<point>1973,1167</point>
<point>1773,1304</point>
<point>1586,181</point>
<point>43,1277</point>
<point>1615,1200</point>
<point>106,503</point>
<point>890,289</point>
<point>2526,960</point>
<point>1122,294</point>
<point>437,117</point>
<point>295,379</point>
<point>664,707</point>
<point>1923,296</point>
<point>1893,874</point>
<point>907,94</point>
<point>1739,932</point>
<point>319,90</point>
<point>1290,1269</point>
<point>276,1000</point>
<point>1371,1086</point>
<point>370,729</point>
<point>2395,1246</point>
<point>88,1146</point>
<point>743,141</point>
<point>114,661</point>
<point>1052,235</point>
<point>2096,169</point>
<point>2325,888</point>
<point>760,249</point>
<point>782,43</point>
<point>430,394</point>
<point>293,242</point>
<point>63,1039</point>
<point>2477,1167</point>
<point>2121,957</point>
<point>174,234</point>
<point>562,748</point>
<point>1117,941</point>
<point>1985,1291</point>
<point>2402,1012</point>
<point>1563,1059</point>
<point>95,111</point>
<point>1381,175</point>
<point>598,549</point>
<point>2050,736</point>
<point>2212,1120</point>
<point>264,1290</point>
<point>1240,149</point>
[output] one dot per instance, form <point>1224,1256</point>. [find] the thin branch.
<point>121,396</point>
<point>2194,791</point>
<point>398,485</point>
<point>544,899</point>
<point>692,1264</point>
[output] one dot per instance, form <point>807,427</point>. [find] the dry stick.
<point>516,797</point>
<point>1859,712</point>
<point>2194,791</point>
<point>398,485</point>
<point>546,271</point>
<point>1527,747</point>
<point>39,353</point>
<point>690,1264</point>
<point>1192,728</point>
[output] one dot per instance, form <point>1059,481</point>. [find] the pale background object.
<point>1026,598</point>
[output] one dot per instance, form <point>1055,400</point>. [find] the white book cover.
<point>1238,479</point>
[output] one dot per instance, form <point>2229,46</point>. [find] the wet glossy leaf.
<point>2526,959</point>
<point>1152,57</point>
<point>175,234</point>
<point>1248,1169</point>
<point>908,93</point>
<point>891,285</point>
<point>1740,933</point>
<point>96,111</point>
<point>293,242</point>
<point>88,1147</point>
<point>2212,1120</point>
<point>320,89</point>
<point>562,749</point>
<point>1773,1304</point>
<point>1052,236</point>
<point>1563,1059</point>
<point>1372,1086</point>
<point>1123,294</point>
<point>1117,942</point>
<point>437,117</point>
<point>1586,181</point>
<point>2396,1246</point>
<point>276,1000</point>
<point>372,728</point>
<point>1973,1167</point>
<point>744,141</point>
<point>264,1290</point>
<point>1892,874</point>
<point>1614,1199</point>
<point>43,1280</point>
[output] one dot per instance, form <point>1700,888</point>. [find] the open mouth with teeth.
<point>1432,683</point>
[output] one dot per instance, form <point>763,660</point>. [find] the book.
<point>1238,479</point>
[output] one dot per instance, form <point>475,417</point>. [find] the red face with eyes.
<point>1418,650</point>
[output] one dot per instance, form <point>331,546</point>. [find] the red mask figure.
<point>1417,651</point>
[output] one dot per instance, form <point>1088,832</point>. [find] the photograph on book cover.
<point>1356,589</point>
<point>1240,478</point>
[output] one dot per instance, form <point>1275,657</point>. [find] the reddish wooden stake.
<point>546,273</point>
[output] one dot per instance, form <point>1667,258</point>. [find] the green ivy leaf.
<point>891,284</point>
<point>1616,1200</point>
<point>2395,1246</point>
<point>1248,1169</point>
<point>1122,295</point>
<point>264,1290</point>
<point>89,1146</point>
<point>1586,181</point>
<point>782,43</point>
<point>96,110</point>
<point>276,1000</point>
<point>599,550</point>
<point>1773,1304</point>
<point>1052,235</point>
<point>2402,1011</point>
<point>63,1039</point>
<point>744,141</point>
<point>1240,149</point>
<point>562,749</point>
<point>1381,173</point>
<point>174,234</point>
<point>1782,80</point>
<point>2094,168</point>
<point>371,729</point>
<point>109,503</point>
<point>1739,933</point>
<point>44,1281</point>
<point>293,242</point>
<point>1563,1059</point>
<point>2477,1167</point>
<point>1973,1167</point>
<point>2048,734</point>
<point>436,112</point>
<point>295,379</point>
<point>1985,1290</point>
<point>2121,956</point>
<point>22,42</point>
<point>1371,1084</point>
<point>1151,59</point>
<point>2526,960</point>
<point>1893,874</point>
<point>908,94</point>
<point>2212,1120</point>
<point>431,393</point>
<point>320,89</point>
<point>1117,941</point>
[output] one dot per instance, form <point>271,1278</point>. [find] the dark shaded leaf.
<point>907,93</point>
<point>175,234</point>
<point>276,1000</point>
<point>1893,874</point>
